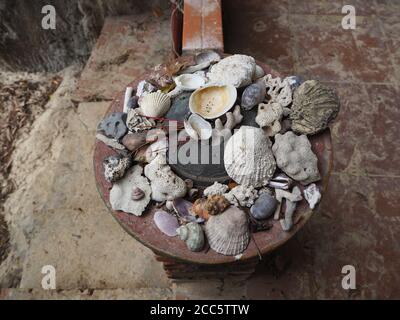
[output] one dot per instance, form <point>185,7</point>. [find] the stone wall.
<point>26,46</point>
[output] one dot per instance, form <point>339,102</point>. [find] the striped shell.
<point>228,232</point>
<point>155,104</point>
<point>248,157</point>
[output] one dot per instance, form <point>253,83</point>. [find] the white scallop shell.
<point>228,232</point>
<point>189,82</point>
<point>198,128</point>
<point>248,157</point>
<point>213,101</point>
<point>154,104</point>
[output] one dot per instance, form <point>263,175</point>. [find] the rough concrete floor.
<point>61,220</point>
<point>359,220</point>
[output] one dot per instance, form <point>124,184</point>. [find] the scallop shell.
<point>155,104</point>
<point>189,82</point>
<point>248,157</point>
<point>314,106</point>
<point>228,232</point>
<point>211,102</point>
<point>198,128</point>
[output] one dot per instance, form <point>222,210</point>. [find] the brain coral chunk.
<point>294,157</point>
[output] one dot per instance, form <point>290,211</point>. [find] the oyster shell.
<point>212,101</point>
<point>228,233</point>
<point>137,123</point>
<point>155,104</point>
<point>314,106</point>
<point>203,60</point>
<point>193,235</point>
<point>207,56</point>
<point>294,157</point>
<point>198,128</point>
<point>248,157</point>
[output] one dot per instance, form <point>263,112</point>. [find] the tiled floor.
<point>359,220</point>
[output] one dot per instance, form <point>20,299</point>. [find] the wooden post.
<point>202,26</point>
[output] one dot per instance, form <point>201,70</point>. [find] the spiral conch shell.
<point>248,157</point>
<point>155,104</point>
<point>228,232</point>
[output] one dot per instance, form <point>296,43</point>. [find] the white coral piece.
<point>294,156</point>
<point>237,70</point>
<point>291,202</point>
<point>165,184</point>
<point>242,195</point>
<point>121,192</point>
<point>222,132</point>
<point>312,195</point>
<point>278,89</point>
<point>215,189</point>
<point>269,116</point>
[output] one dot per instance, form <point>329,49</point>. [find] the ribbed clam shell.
<point>228,232</point>
<point>248,157</point>
<point>155,104</point>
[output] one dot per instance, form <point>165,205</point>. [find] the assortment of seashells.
<point>269,163</point>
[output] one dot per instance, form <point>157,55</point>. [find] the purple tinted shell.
<point>166,222</point>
